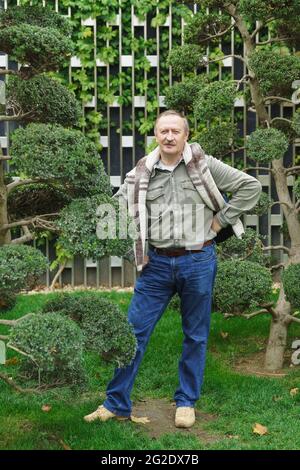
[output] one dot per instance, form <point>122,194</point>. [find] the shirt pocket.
<point>156,202</point>
<point>190,193</point>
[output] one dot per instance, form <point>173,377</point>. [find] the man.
<point>179,259</point>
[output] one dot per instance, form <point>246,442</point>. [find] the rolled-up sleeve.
<point>245,189</point>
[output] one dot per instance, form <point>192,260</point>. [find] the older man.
<point>172,195</point>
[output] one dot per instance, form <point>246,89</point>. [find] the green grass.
<point>238,401</point>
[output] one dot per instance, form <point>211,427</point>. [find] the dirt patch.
<point>161,414</point>
<point>254,365</point>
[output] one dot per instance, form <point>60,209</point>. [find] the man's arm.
<point>245,190</point>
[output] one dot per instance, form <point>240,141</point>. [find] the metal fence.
<point>123,144</point>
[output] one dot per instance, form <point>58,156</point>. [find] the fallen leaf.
<point>259,429</point>
<point>12,362</point>
<point>46,408</point>
<point>142,420</point>
<point>65,446</point>
<point>231,436</point>
<point>294,391</point>
<point>224,334</point>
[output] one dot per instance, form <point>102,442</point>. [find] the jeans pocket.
<point>207,253</point>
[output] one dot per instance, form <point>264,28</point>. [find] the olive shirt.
<point>171,189</point>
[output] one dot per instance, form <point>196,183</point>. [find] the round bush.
<point>7,300</point>
<point>45,99</point>
<point>43,49</point>
<point>105,327</point>
<point>54,344</point>
<point>290,279</point>
<point>265,145</point>
<point>79,223</point>
<point>62,155</point>
<point>202,25</point>
<point>36,15</point>
<point>218,139</point>
<point>241,285</point>
<point>185,58</point>
<point>214,100</point>
<point>275,72</point>
<point>20,267</point>
<point>249,248</point>
<point>181,96</point>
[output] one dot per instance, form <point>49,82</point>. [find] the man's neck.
<point>170,160</point>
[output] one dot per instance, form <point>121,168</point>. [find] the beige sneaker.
<point>185,417</point>
<point>103,414</point>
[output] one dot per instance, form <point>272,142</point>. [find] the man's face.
<point>171,134</point>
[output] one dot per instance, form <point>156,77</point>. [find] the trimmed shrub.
<point>214,100</point>
<point>105,327</point>
<point>185,58</point>
<point>20,267</point>
<point>241,285</point>
<point>7,300</point>
<point>181,96</point>
<point>84,233</point>
<point>265,145</point>
<point>43,99</point>
<point>218,139</point>
<point>60,155</point>
<point>249,248</point>
<point>54,344</point>
<point>291,285</point>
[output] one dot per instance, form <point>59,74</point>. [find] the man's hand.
<point>215,226</point>
<point>145,261</point>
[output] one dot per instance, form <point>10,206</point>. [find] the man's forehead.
<point>170,122</point>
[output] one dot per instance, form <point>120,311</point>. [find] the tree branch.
<point>5,157</point>
<point>225,57</point>
<point>257,312</point>
<point>10,382</point>
<point>259,168</point>
<point>280,119</point>
<point>61,268</point>
<point>292,169</point>
<point>27,237</point>
<point>283,203</point>
<point>277,247</point>
<point>277,266</point>
<point>276,98</point>
<point>8,72</point>
<point>290,319</point>
<point>37,218</point>
<point>269,41</point>
<point>14,184</point>
<point>218,35</point>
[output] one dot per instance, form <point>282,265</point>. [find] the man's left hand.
<point>215,226</point>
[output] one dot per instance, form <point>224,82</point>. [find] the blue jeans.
<point>192,276</point>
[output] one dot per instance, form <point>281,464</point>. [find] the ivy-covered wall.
<point>120,75</point>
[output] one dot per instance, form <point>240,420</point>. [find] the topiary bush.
<point>185,58</point>
<point>275,72</point>
<point>218,139</point>
<point>36,15</point>
<point>290,279</point>
<point>202,25</point>
<point>60,155</point>
<point>215,99</point>
<point>249,247</point>
<point>265,145</point>
<point>181,96</point>
<point>54,344</point>
<point>78,224</point>
<point>7,300</point>
<point>241,285</point>
<point>42,99</point>
<point>20,267</point>
<point>105,327</point>
<point>43,49</point>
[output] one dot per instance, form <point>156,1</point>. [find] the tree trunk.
<point>279,325</point>
<point>5,236</point>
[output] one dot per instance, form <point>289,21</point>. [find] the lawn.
<point>237,401</point>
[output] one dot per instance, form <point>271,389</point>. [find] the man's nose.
<point>170,136</point>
